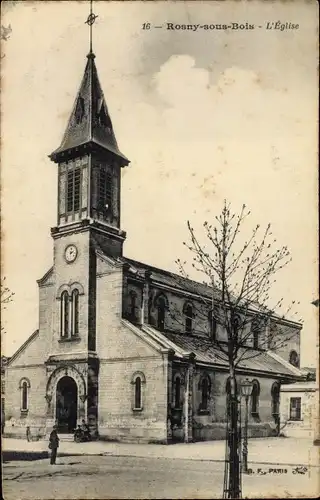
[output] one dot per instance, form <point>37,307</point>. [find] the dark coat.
<point>54,439</point>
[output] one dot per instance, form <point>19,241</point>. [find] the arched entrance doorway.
<point>66,404</point>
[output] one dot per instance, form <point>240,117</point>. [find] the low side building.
<point>300,409</point>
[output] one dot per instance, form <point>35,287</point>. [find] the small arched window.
<point>64,314</point>
<point>132,305</point>
<point>255,397</point>
<point>294,359</point>
<point>161,307</point>
<point>177,392</point>
<point>205,388</point>
<point>138,381</point>
<point>188,318</point>
<point>75,312</point>
<point>79,112</point>
<point>275,398</point>
<point>137,393</point>
<point>255,329</point>
<point>24,396</point>
<point>212,325</point>
<point>236,323</point>
<point>24,387</point>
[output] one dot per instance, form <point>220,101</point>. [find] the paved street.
<point>155,476</point>
<point>131,477</point>
<point>282,451</point>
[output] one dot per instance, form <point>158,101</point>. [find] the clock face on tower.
<point>71,253</point>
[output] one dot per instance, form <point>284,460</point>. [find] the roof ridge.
<point>21,348</point>
<point>150,330</point>
<point>170,273</point>
<point>284,362</point>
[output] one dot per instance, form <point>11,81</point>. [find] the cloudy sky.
<point>203,116</point>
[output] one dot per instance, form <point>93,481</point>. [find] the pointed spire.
<point>90,124</point>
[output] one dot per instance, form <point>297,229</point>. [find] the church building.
<point>108,348</point>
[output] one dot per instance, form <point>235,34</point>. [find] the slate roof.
<point>206,352</point>
<point>90,122</point>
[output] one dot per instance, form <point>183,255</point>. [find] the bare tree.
<point>6,297</point>
<point>238,276</point>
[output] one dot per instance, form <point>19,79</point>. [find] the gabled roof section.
<point>99,247</point>
<point>90,122</point>
<point>24,345</point>
<point>286,364</point>
<point>45,277</point>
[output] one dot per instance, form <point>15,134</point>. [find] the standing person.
<point>28,434</point>
<point>53,445</point>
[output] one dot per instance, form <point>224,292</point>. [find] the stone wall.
<point>210,424</point>
<point>17,420</point>
<point>123,352</point>
<point>118,419</point>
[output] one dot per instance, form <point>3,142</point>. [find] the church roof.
<point>208,353</point>
<point>90,122</point>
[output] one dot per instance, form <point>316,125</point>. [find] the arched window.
<point>132,305</point>
<point>275,398</point>
<point>24,387</point>
<point>75,312</point>
<point>255,328</point>
<point>138,380</point>
<point>24,396</point>
<point>255,397</point>
<point>137,393</point>
<point>236,323</point>
<point>188,311</point>
<point>294,359</point>
<point>79,109</point>
<point>212,325</point>
<point>161,307</point>
<point>64,314</point>
<point>177,392</point>
<point>205,388</point>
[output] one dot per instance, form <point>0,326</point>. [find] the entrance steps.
<point>66,437</point>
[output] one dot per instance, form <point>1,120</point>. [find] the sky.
<point>202,115</point>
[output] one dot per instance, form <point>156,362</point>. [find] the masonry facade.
<point>126,346</point>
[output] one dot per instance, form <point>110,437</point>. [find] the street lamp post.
<point>246,389</point>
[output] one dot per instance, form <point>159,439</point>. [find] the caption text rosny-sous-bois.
<point>269,25</point>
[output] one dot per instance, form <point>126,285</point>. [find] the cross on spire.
<point>90,21</point>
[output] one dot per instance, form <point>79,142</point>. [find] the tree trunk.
<point>233,439</point>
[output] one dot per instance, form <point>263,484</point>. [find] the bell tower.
<point>89,164</point>
<point>89,167</point>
